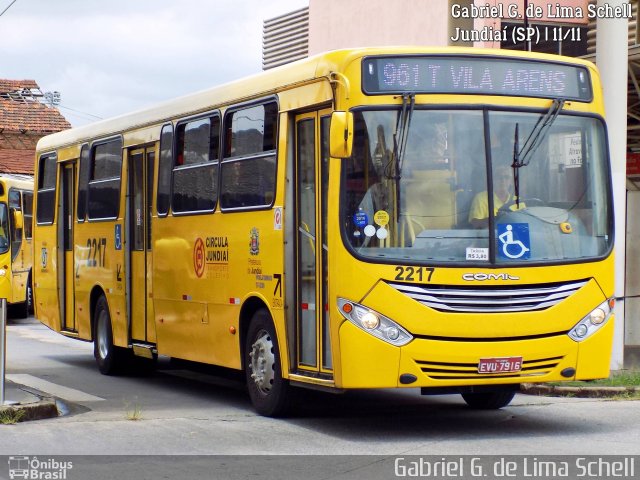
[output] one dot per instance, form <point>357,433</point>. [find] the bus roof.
<point>261,84</point>
<point>17,180</point>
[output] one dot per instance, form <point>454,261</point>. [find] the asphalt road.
<point>178,411</point>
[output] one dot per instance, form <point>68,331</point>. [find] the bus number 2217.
<point>412,274</point>
<point>97,252</point>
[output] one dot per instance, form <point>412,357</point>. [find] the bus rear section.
<point>16,204</point>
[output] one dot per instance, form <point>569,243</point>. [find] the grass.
<point>10,416</point>
<point>134,411</point>
<point>627,383</point>
<point>626,396</point>
<point>623,378</point>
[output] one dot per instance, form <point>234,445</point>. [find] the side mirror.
<point>18,220</point>
<point>341,134</point>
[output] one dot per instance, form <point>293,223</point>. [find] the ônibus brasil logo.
<point>36,469</point>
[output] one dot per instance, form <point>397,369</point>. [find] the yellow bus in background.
<point>320,225</point>
<point>16,227</point>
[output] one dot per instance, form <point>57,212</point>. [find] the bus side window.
<point>27,212</point>
<point>46,189</point>
<point>83,183</point>
<point>165,168</point>
<point>104,180</point>
<point>195,173</point>
<point>249,166</point>
<point>15,205</point>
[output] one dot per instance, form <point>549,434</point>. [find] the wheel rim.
<point>262,362</point>
<point>29,298</point>
<point>103,335</point>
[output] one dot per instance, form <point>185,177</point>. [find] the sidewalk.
<point>35,405</point>
<point>582,392</point>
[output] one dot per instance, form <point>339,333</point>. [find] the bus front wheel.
<point>108,357</point>
<point>488,400</point>
<point>268,391</point>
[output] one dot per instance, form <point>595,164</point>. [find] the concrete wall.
<point>337,24</point>
<point>333,25</point>
<point>632,287</point>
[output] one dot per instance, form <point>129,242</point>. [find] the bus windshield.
<point>454,195</point>
<point>4,229</point>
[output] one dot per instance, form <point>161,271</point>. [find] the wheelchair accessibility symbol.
<point>513,241</point>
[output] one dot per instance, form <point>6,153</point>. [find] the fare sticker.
<point>381,218</point>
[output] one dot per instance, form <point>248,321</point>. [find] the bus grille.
<point>462,371</point>
<point>495,299</point>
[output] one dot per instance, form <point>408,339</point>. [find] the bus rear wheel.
<point>268,391</point>
<point>488,400</point>
<point>24,309</point>
<point>29,297</point>
<point>110,359</point>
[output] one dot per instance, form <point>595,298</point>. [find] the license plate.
<point>500,365</point>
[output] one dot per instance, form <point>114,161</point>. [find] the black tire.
<point>488,400</point>
<point>23,309</point>
<point>110,359</point>
<point>269,392</point>
<point>20,310</point>
<point>29,301</point>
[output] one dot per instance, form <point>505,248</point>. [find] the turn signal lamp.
<point>347,308</point>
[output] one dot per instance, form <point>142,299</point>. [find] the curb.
<point>44,407</point>
<point>581,392</point>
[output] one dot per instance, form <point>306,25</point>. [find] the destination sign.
<point>475,75</point>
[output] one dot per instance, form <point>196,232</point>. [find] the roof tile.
<point>27,115</point>
<point>13,85</point>
<point>17,161</point>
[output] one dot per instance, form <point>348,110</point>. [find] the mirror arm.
<point>335,79</point>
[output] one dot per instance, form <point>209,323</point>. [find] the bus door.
<point>312,178</point>
<point>66,254</point>
<point>138,236</point>
<point>18,277</point>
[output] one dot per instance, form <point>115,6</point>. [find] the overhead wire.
<point>80,112</point>
<point>8,7</point>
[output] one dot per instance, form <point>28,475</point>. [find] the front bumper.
<point>367,362</point>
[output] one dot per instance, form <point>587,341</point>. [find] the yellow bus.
<point>16,227</point>
<point>320,225</point>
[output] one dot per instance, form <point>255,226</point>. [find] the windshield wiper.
<point>401,134</point>
<point>393,170</point>
<point>521,158</point>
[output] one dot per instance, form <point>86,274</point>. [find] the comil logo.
<point>482,277</point>
<point>36,469</point>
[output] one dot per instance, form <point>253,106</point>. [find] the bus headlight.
<point>597,316</point>
<point>369,320</point>
<point>593,321</point>
<point>374,323</point>
<point>3,272</point>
